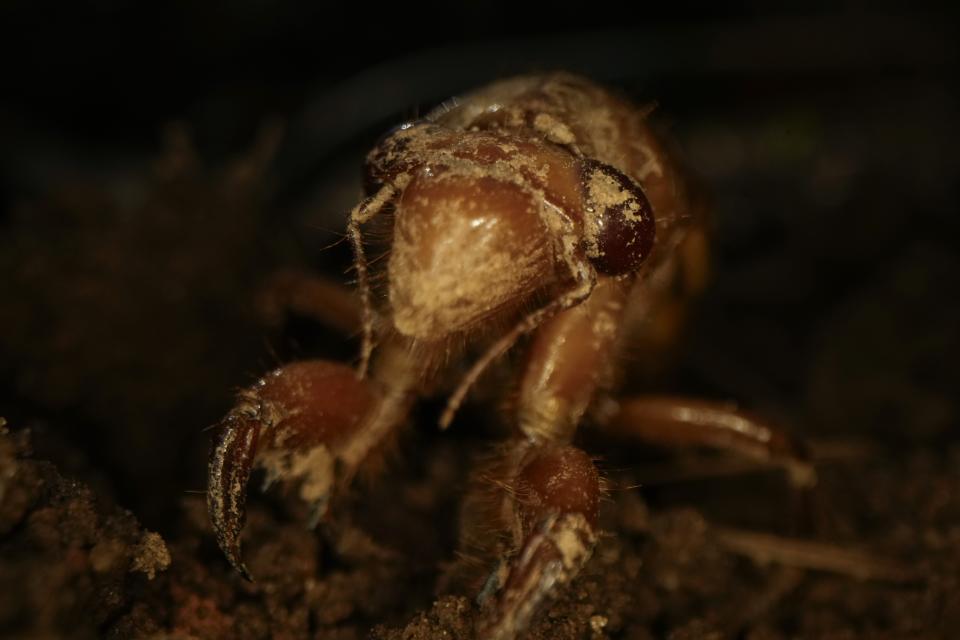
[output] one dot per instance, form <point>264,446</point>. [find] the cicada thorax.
<point>593,123</point>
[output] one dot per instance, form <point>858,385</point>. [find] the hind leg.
<point>678,421</point>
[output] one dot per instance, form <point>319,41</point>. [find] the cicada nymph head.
<point>486,218</point>
<point>464,247</point>
<point>470,237</point>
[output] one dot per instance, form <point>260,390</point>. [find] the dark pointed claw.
<point>551,556</point>
<point>557,492</point>
<point>293,424</point>
<point>231,462</point>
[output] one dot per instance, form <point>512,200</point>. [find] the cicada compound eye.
<point>618,220</point>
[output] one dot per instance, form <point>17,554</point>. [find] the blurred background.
<point>159,160</point>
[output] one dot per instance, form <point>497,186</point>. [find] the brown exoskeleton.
<point>541,207</point>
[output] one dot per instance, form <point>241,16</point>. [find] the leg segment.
<point>310,295</point>
<point>550,504</point>
<point>314,421</point>
<point>549,491</point>
<point>292,423</point>
<point>570,358</point>
<point>685,422</point>
<point>502,345</point>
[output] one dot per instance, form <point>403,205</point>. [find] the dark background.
<point>827,138</point>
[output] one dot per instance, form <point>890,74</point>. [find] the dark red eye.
<point>618,219</point>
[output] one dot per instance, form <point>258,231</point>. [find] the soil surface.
<point>77,566</point>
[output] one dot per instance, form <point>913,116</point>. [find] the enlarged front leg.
<point>292,423</point>
<point>550,498</point>
<point>314,422</point>
<point>545,492</point>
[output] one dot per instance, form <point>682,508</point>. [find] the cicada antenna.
<point>362,213</point>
